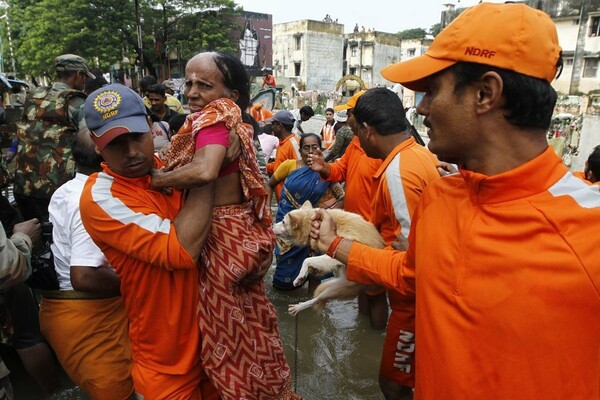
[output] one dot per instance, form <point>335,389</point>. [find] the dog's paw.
<point>303,274</point>
<point>294,309</point>
<point>299,280</point>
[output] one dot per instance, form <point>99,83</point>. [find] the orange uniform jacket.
<point>134,228</point>
<point>506,271</point>
<point>288,149</point>
<point>357,170</point>
<point>328,134</point>
<point>397,188</point>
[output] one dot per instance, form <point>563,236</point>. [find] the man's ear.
<point>489,92</point>
<point>96,148</point>
<point>369,130</point>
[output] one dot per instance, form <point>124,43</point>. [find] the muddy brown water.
<point>337,353</point>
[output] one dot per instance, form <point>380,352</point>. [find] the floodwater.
<point>333,354</point>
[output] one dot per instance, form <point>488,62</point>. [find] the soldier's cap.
<point>283,117</point>
<point>351,101</point>
<point>112,111</point>
<point>72,63</point>
<point>514,37</point>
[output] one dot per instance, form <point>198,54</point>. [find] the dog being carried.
<point>296,227</point>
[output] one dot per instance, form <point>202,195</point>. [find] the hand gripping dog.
<point>295,226</point>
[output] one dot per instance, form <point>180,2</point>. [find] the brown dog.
<point>296,227</point>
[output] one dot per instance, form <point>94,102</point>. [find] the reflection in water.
<point>338,352</point>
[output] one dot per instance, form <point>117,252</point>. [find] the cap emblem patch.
<point>106,103</point>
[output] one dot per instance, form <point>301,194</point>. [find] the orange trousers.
<point>154,385</point>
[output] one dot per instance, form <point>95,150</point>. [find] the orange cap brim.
<point>414,72</point>
<point>342,107</point>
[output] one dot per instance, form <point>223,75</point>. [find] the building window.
<point>590,67</point>
<point>297,69</point>
<point>352,71</point>
<point>411,52</point>
<point>568,62</point>
<point>298,42</point>
<point>354,50</point>
<point>595,26</point>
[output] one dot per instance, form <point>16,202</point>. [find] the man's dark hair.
<point>94,84</point>
<point>235,77</point>
<point>329,109</point>
<point>593,162</point>
<point>84,152</point>
<point>248,119</point>
<point>307,110</point>
<point>157,88</point>
<point>529,101</point>
<point>382,109</point>
<point>146,82</point>
<point>268,129</point>
<point>287,127</point>
<point>176,122</point>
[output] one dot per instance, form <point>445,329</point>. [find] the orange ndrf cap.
<point>514,37</point>
<point>351,101</point>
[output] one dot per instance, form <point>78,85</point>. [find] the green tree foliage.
<point>104,31</point>
<point>414,33</point>
<point>435,29</point>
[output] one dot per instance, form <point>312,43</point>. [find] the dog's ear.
<point>307,205</point>
<point>294,222</point>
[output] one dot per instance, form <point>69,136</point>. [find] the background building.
<point>308,54</point>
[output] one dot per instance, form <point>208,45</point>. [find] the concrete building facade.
<point>316,55</point>
<point>367,53</point>
<point>308,53</point>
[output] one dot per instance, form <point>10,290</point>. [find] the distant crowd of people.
<point>161,226</point>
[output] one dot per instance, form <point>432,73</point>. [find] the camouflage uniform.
<point>51,118</point>
<point>260,157</point>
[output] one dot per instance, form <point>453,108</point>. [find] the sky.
<point>383,15</point>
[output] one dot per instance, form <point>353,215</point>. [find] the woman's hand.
<point>401,244</point>
<point>445,168</point>
<point>234,150</point>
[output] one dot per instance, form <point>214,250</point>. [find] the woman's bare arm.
<point>203,169</point>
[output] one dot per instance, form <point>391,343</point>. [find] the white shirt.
<point>72,244</point>
<point>297,122</point>
<point>268,143</point>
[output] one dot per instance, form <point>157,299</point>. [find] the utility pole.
<point>10,46</point>
<point>138,25</point>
